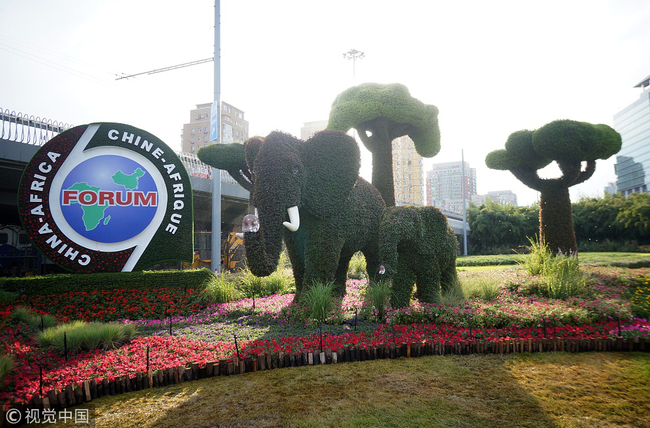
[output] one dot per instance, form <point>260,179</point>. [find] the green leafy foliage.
<point>493,225</point>
<point>357,267</point>
<point>371,101</point>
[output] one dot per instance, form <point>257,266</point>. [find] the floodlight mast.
<point>354,55</point>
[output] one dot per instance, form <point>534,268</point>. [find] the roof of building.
<point>642,84</point>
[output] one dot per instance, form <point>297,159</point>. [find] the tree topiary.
<point>569,144</point>
<point>381,113</point>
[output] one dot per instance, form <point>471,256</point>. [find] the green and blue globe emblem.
<point>109,198</point>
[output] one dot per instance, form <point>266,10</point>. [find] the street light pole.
<point>462,157</point>
<point>215,241</point>
<point>354,55</point>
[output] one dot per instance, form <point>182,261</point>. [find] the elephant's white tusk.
<point>294,218</point>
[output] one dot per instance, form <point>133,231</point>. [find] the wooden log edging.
<point>75,394</point>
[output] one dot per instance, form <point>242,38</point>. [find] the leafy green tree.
<point>381,113</point>
<point>569,144</point>
<point>595,219</point>
<point>635,215</point>
<point>493,225</point>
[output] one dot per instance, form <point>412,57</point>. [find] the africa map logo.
<point>109,198</point>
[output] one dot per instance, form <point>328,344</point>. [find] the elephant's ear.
<point>251,148</point>
<point>331,161</point>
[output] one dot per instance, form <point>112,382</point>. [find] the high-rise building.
<point>310,128</point>
<point>196,134</point>
<point>408,173</point>
<point>444,186</point>
<point>633,161</point>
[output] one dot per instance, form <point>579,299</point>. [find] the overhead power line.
<point>161,70</point>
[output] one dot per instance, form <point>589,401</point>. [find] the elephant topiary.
<point>417,246</point>
<point>309,194</point>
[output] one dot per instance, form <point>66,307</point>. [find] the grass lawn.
<point>516,390</point>
<point>590,259</point>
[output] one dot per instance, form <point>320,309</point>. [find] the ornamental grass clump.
<point>539,257</point>
<point>317,299</point>
<point>80,336</point>
<point>563,277</point>
<point>480,287</point>
<point>377,296</point>
<point>561,274</point>
<point>221,289</point>
<point>6,366</point>
<point>25,315</point>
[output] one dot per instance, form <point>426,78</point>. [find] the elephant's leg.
<point>342,274</point>
<point>428,282</point>
<point>372,264</point>
<point>322,262</point>
<point>403,281</point>
<point>448,276</point>
<point>298,266</point>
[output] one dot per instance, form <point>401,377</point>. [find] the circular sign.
<point>107,197</point>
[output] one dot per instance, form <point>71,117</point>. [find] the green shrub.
<point>357,268</point>
<point>279,282</point>
<point>318,301</point>
<point>377,296</point>
<point>55,284</point>
<point>221,289</point>
<point>83,336</point>
<point>6,366</point>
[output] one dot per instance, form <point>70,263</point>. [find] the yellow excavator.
<point>232,255</point>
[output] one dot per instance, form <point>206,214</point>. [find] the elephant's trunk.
<point>263,247</point>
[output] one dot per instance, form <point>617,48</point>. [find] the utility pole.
<point>215,241</point>
<point>462,183</point>
<point>354,55</point>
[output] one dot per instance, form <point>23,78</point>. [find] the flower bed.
<point>205,334</point>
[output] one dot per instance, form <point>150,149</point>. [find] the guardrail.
<point>28,129</point>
